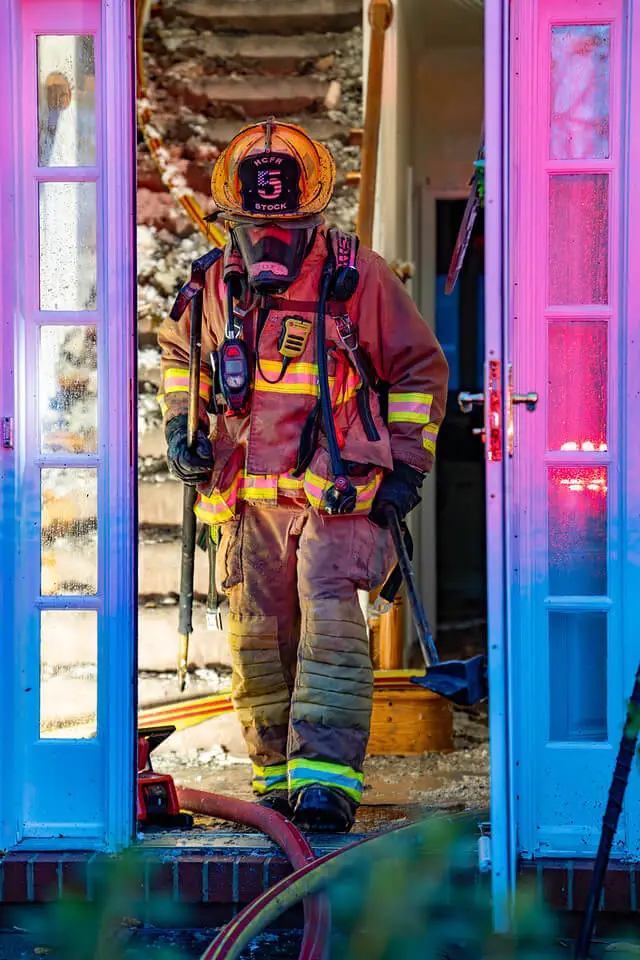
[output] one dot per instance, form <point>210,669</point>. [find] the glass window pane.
<point>577,531</point>
<point>578,239</point>
<point>66,102</point>
<point>67,246</point>
<point>69,531</point>
<point>68,384</point>
<point>68,674</point>
<point>577,386</point>
<point>578,676</point>
<point>580,80</point>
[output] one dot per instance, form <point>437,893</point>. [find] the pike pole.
<point>190,494</point>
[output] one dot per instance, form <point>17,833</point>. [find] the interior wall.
<point>431,119</point>
<point>447,119</point>
<point>390,236</point>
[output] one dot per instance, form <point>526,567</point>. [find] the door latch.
<point>7,433</point>
<point>493,414</point>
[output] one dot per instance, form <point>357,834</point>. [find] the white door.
<point>572,339</point>
<point>67,382</point>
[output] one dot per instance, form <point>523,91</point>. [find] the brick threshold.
<point>230,869</point>
<point>233,869</point>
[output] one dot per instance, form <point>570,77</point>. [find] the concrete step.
<point>281,17</point>
<point>272,54</point>
<point>159,568</point>
<point>160,502</point>
<point>151,443</point>
<point>250,96</point>
<point>221,131</point>
<point>157,639</point>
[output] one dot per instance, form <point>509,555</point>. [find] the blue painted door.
<point>572,333</point>
<point>68,481</point>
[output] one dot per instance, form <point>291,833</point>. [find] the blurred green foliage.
<point>102,928</point>
<point>410,895</point>
<point>419,896</point>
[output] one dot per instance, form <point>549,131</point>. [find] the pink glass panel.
<point>577,409</point>
<point>577,531</point>
<point>580,79</point>
<point>578,238</point>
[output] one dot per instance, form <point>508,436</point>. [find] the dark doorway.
<point>461,533</point>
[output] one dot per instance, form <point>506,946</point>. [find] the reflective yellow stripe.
<point>301,389</point>
<point>275,366</point>
<point>409,407</point>
<point>259,487</point>
<point>219,507</point>
<point>315,488</point>
<point>266,779</point>
<point>411,397</point>
<point>429,434</point>
<point>407,417</point>
<point>302,379</point>
<point>287,482</point>
<point>278,769</point>
<point>303,773</point>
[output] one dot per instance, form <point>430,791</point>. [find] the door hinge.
<point>7,433</point>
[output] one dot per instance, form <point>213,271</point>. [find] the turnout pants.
<point>302,678</point>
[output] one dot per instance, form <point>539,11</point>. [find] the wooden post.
<point>380,17</point>
<point>387,631</point>
<point>391,636</point>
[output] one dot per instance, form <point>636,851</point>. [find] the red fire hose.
<point>293,844</point>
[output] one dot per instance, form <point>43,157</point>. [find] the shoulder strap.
<point>342,248</point>
<point>199,269</point>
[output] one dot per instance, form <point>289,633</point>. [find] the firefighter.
<point>328,390</point>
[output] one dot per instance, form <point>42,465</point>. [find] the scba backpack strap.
<point>343,248</point>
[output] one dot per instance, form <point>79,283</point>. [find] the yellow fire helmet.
<point>273,171</point>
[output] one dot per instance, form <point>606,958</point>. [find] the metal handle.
<point>466,401</point>
<point>530,399</point>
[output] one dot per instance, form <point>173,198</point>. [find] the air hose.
<point>304,882</point>
<point>293,844</point>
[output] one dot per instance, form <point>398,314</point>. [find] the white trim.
<point>101,771</point>
<point>502,831</point>
<point>8,529</point>
<point>118,640</point>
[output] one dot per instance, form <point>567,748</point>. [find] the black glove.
<point>398,489</point>
<point>194,466</point>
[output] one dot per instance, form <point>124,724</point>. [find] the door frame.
<point>503,834</point>
<point>117,638</point>
<point>8,820</point>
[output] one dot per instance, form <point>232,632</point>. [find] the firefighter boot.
<point>277,800</point>
<point>323,810</point>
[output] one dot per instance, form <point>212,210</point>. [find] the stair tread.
<point>220,132</point>
<point>230,88</point>
<point>263,47</point>
<point>283,17</point>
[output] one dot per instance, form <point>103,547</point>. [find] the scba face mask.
<point>273,254</point>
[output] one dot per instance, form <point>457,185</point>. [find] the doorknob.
<point>466,401</point>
